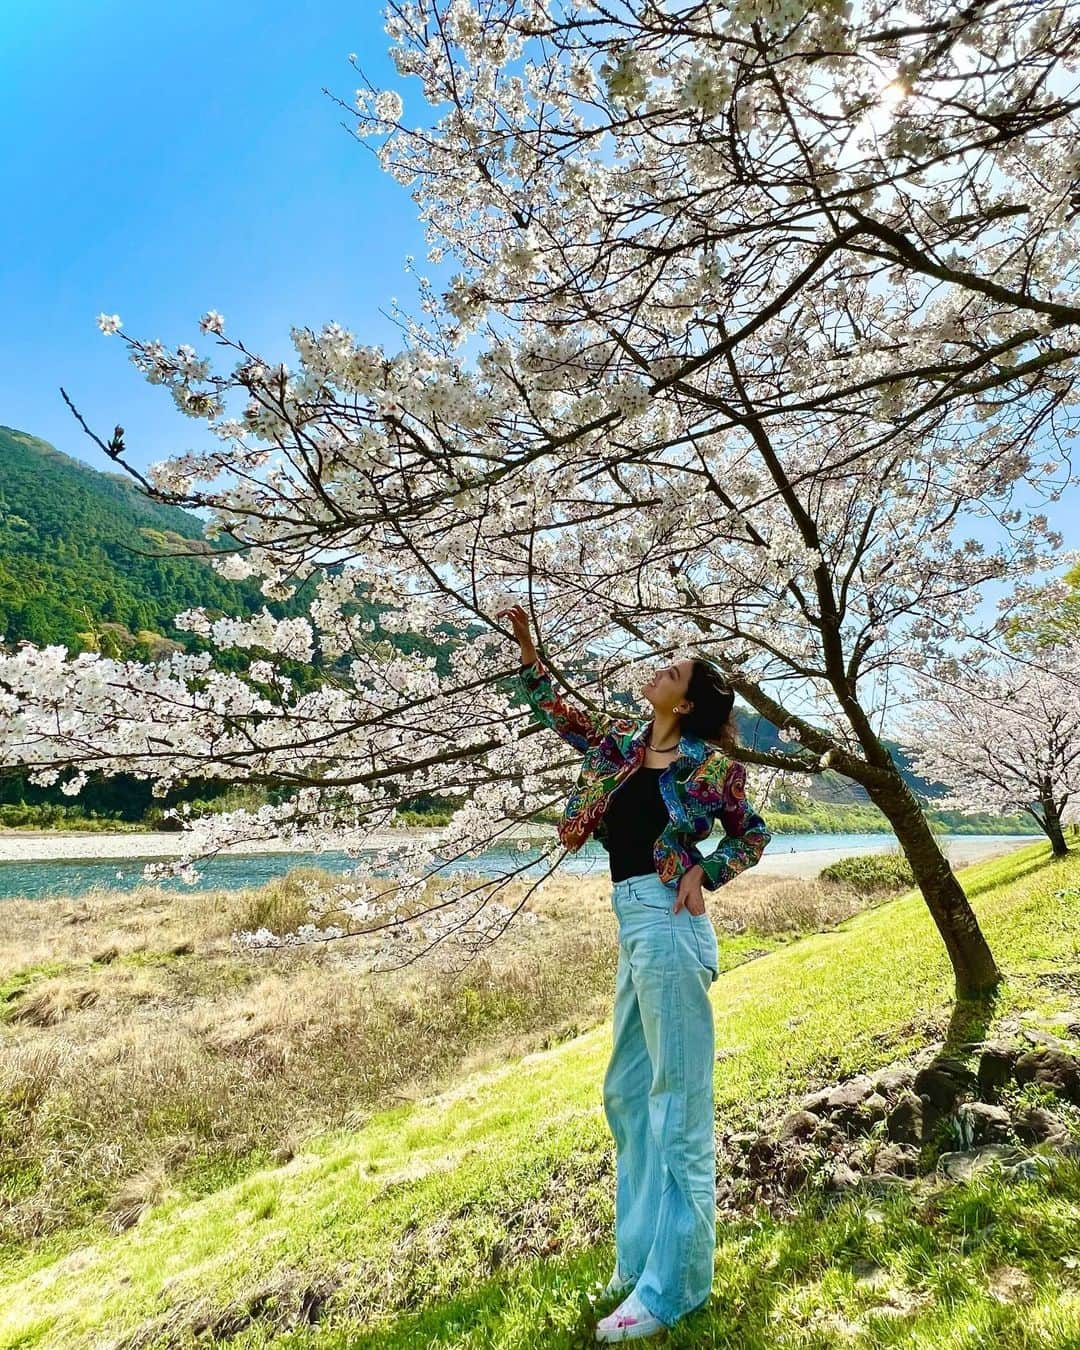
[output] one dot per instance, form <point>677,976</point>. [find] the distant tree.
<point>1048,614</point>
<point>1004,736</point>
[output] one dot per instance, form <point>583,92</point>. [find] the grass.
<point>479,1215</point>
<point>142,1058</point>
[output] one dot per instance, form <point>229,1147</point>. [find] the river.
<point>27,875</point>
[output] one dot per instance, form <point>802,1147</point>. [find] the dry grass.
<point>781,905</point>
<point>141,1052</point>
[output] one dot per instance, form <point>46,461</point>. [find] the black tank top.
<point>634,818</point>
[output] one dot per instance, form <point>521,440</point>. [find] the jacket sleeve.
<point>722,785</point>
<point>578,728</point>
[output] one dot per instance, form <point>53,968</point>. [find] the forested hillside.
<point>82,565</point>
<point>78,557</point>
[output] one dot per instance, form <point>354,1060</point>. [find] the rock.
<point>742,1141</point>
<point>989,1124</point>
<point>893,1079</point>
<point>962,1166</point>
<point>874,1107</point>
<point>844,1100</point>
<point>1026,1169</point>
<point>996,1068</point>
<point>943,1081</point>
<point>816,1100</point>
<point>761,1157</point>
<point>826,1134</point>
<point>1053,1069</point>
<point>799,1125</point>
<point>904,1123</point>
<point>1035,1125</point>
<point>869,1273</point>
<point>843,1177</point>
<point>793,1167</point>
<point>1009,1284</point>
<point>898,1160</point>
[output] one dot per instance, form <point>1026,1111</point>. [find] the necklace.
<point>660,749</point>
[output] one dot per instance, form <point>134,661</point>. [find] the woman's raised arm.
<point>577,727</point>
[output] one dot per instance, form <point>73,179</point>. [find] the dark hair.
<point>713,700</point>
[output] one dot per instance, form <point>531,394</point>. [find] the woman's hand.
<point>520,622</point>
<point>690,890</point>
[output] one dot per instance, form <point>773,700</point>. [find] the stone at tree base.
<point>893,1079</point>
<point>843,1177</point>
<point>1053,1069</point>
<point>799,1125</point>
<point>944,1081</point>
<point>989,1124</point>
<point>904,1123</point>
<point>843,1101</point>
<point>996,1068</point>
<point>901,1160</point>
<point>1036,1125</point>
<point>962,1166</point>
<point>1046,1038</point>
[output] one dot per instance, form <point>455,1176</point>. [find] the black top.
<point>633,821</point>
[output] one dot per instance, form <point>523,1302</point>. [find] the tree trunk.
<point>973,964</point>
<point>1051,823</point>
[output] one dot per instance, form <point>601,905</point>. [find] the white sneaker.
<point>630,1321</point>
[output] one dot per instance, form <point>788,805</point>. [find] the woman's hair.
<point>711,716</point>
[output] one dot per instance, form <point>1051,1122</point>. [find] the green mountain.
<point>78,564</point>
<point>82,565</point>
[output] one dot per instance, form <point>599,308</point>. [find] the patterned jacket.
<point>699,785</point>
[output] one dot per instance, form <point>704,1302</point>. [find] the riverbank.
<point>228,1175</point>
<point>25,846</point>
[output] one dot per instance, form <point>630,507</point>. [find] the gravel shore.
<point>57,846</point>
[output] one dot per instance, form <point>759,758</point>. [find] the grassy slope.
<point>514,1166</point>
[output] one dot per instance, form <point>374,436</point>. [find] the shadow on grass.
<point>1017,874</point>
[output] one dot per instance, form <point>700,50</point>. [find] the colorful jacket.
<point>699,785</point>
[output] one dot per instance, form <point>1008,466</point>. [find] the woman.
<point>650,791</point>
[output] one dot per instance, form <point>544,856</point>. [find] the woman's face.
<point>666,691</point>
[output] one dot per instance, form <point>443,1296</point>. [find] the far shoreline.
<point>779,859</point>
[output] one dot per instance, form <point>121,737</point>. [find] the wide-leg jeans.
<point>658,1098</point>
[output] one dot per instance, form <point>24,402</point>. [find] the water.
<point>75,876</point>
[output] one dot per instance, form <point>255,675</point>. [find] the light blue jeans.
<point>658,1098</point>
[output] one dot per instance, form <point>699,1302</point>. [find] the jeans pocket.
<point>663,906</point>
<point>705,936</point>
<point>652,894</point>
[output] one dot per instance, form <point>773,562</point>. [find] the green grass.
<point>476,1216</point>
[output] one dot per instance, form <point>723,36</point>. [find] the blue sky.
<point>163,160</point>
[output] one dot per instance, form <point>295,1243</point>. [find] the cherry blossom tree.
<point>1049,615</point>
<point>1004,736</point>
<point>761,343</point>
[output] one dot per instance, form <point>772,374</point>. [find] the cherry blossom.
<point>758,339</point>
